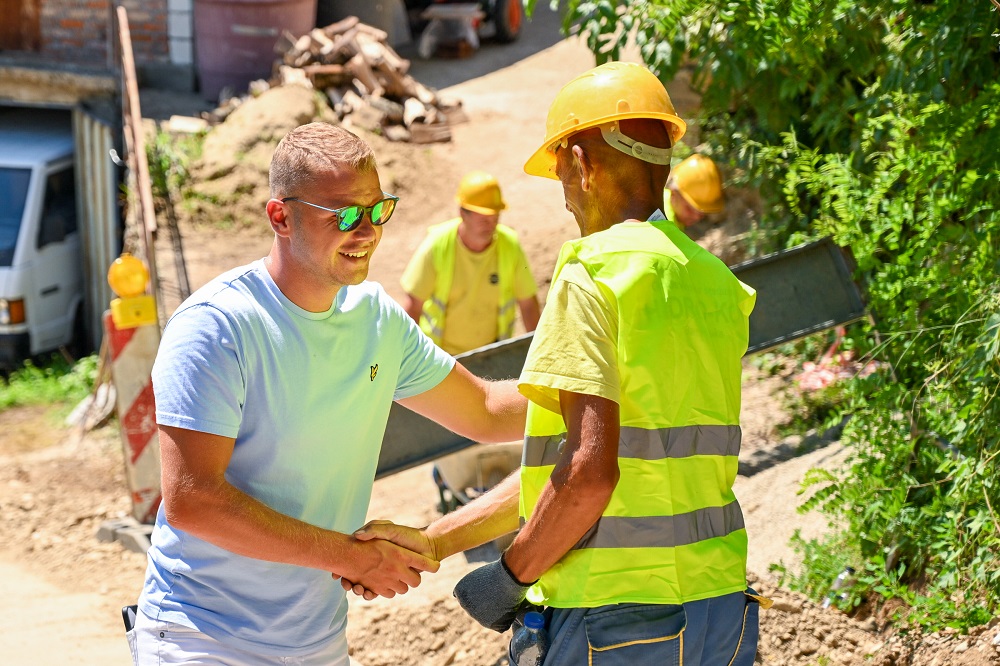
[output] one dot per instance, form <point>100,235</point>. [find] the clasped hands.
<point>491,594</point>
<point>396,557</point>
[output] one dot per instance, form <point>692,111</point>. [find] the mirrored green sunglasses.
<point>349,217</point>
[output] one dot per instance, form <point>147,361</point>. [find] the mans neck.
<point>301,288</point>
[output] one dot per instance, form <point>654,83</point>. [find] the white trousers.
<point>157,643</point>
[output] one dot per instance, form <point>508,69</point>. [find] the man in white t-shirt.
<point>273,384</point>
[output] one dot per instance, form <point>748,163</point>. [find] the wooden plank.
<point>136,145</point>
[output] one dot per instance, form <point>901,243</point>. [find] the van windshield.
<point>13,194</point>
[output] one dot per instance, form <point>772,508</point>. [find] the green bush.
<point>55,381</point>
<point>876,122</point>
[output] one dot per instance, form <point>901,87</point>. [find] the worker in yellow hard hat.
<point>468,278</point>
<point>694,190</point>
<point>631,536</point>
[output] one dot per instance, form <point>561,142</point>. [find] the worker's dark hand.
<point>491,595</point>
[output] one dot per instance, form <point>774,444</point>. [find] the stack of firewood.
<point>365,79</point>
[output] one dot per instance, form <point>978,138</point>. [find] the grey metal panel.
<point>800,291</point>
<point>97,187</point>
<point>412,440</point>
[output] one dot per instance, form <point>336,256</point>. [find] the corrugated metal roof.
<point>30,135</point>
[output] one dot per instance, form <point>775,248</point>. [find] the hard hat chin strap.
<point>614,138</point>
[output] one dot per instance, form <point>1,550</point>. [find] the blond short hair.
<point>312,149</point>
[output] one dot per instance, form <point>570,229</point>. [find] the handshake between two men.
<point>491,594</point>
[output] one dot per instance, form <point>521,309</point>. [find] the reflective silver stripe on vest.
<point>508,305</point>
<point>644,444</point>
<point>663,531</point>
<point>436,301</point>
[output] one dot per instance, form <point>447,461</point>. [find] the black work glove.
<point>492,595</point>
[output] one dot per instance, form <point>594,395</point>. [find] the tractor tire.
<point>508,19</point>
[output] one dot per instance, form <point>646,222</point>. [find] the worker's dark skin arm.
<point>413,307</point>
<point>198,499</point>
<point>531,312</point>
<point>578,490</point>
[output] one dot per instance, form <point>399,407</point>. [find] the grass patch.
<point>52,381</point>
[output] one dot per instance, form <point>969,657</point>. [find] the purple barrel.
<point>234,39</point>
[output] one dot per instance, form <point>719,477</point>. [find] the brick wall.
<point>79,31</point>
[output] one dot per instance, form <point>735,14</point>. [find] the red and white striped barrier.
<point>132,353</point>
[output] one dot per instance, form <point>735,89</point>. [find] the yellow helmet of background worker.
<point>700,183</point>
<point>480,193</point>
<point>606,94</point>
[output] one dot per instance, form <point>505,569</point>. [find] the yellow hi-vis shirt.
<point>472,307</point>
<point>642,315</point>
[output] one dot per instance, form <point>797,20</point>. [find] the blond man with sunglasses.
<point>273,385</point>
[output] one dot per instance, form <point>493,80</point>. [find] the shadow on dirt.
<point>791,447</point>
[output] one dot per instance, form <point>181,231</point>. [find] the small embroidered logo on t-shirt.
<point>374,371</point>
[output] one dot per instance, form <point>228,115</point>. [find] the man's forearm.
<point>231,519</point>
<point>486,518</point>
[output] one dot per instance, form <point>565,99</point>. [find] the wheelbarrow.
<point>463,476</point>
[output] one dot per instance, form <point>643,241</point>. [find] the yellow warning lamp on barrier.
<point>128,277</point>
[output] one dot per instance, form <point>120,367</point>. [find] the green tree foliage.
<point>876,122</point>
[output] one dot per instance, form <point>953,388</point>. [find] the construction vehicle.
<point>505,18</point>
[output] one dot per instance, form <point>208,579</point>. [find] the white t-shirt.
<point>306,396</point>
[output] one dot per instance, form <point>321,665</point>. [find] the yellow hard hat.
<point>480,193</point>
<point>700,183</point>
<point>614,91</point>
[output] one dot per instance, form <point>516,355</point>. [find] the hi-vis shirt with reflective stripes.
<point>673,531</point>
<point>444,237</point>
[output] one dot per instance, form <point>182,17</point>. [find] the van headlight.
<point>11,311</point>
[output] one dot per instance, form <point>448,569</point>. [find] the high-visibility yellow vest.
<point>444,236</point>
<point>673,531</point>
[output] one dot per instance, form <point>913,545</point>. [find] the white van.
<point>41,271</point>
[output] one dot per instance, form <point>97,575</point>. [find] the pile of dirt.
<point>229,181</point>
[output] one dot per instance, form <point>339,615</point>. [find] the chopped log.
<point>293,76</point>
<point>380,35</point>
<point>336,97</point>
<point>340,27</point>
<point>344,47</point>
<point>320,42</point>
<point>393,111</point>
<point>416,89</point>
<point>328,70</point>
<point>393,81</point>
<point>328,76</point>
<point>413,111</point>
<point>363,74</point>
<point>437,133</point>
<point>300,47</point>
<point>352,101</point>
<point>454,113</point>
<point>378,53</point>
<point>396,133</point>
<point>285,43</point>
<point>398,63</point>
